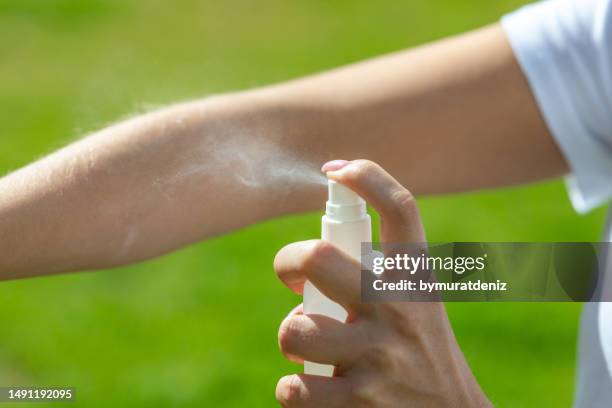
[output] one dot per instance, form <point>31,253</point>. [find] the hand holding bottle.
<point>386,354</point>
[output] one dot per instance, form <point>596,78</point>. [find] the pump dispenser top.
<point>343,204</point>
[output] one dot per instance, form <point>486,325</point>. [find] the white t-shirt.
<point>564,48</point>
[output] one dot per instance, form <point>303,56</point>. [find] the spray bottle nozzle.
<point>342,195</point>
<point>343,203</point>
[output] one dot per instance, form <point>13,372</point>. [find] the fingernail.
<point>299,309</point>
<point>334,165</point>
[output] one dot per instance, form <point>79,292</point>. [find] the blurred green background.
<point>198,327</point>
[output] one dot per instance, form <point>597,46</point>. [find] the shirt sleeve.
<point>564,48</point>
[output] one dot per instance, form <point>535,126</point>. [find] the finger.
<point>335,273</point>
<point>399,215</point>
<point>306,391</point>
<point>319,339</point>
<point>298,310</point>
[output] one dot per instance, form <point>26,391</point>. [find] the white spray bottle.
<point>346,224</point>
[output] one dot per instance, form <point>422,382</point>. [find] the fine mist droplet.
<point>252,162</point>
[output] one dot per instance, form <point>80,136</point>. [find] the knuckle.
<point>378,356</point>
<point>400,320</point>
<point>363,398</point>
<point>361,393</point>
<point>289,390</point>
<point>396,313</point>
<point>403,205</point>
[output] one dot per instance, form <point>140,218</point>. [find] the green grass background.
<point>198,327</point>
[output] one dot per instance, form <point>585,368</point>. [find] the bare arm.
<point>451,116</point>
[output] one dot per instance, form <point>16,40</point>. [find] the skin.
<point>434,116</point>
<point>386,354</point>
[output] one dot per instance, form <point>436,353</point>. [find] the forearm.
<point>452,116</point>
<point>149,185</point>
